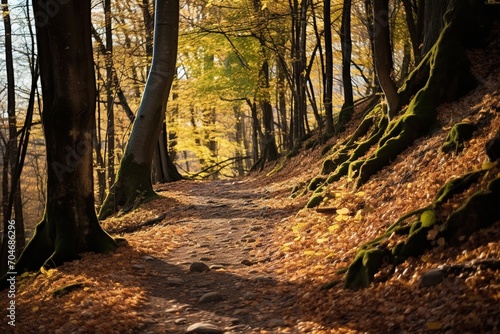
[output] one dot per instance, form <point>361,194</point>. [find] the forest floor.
<point>242,256</point>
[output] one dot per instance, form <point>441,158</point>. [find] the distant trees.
<point>11,157</point>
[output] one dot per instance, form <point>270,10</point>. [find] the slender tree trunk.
<point>299,25</point>
<point>413,24</point>
<point>281,80</point>
<point>239,133</point>
<point>110,96</point>
<point>383,55</point>
<point>134,175</point>
<point>347,109</point>
<point>10,158</point>
<point>328,82</point>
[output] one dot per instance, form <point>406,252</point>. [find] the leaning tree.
<point>133,180</point>
<point>69,225</point>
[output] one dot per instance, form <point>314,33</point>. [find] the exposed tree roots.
<point>443,74</point>
<point>478,211</point>
<point>131,188</point>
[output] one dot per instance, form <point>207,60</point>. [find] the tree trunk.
<point>383,55</point>
<point>299,25</point>
<point>347,109</point>
<point>11,196</point>
<point>328,81</point>
<point>164,169</point>
<point>133,183</point>
<point>110,96</point>
<point>69,226</point>
<point>414,27</point>
<point>433,22</point>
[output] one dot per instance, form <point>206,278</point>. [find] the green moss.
<point>365,265</point>
<point>417,241</point>
<point>66,289</point>
<point>326,149</point>
<point>479,211</point>
<point>458,134</point>
<point>328,166</point>
<point>294,151</point>
<point>315,201</point>
<point>310,144</point>
<point>456,186</point>
<point>316,182</point>
<point>131,188</point>
<point>278,168</point>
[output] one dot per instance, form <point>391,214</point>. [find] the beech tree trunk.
<point>328,81</point>
<point>133,182</point>
<point>383,55</point>
<point>69,226</point>
<point>347,109</point>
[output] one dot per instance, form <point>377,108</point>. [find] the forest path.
<point>221,272</point>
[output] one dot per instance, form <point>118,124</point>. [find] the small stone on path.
<point>249,295</point>
<point>180,321</point>
<point>198,267</point>
<point>431,278</point>
<point>173,281</point>
<point>210,297</point>
<point>205,328</point>
<point>247,262</point>
<point>216,266</point>
<point>275,323</point>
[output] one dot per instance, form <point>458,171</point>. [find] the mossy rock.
<point>310,144</point>
<point>479,211</point>
<point>315,201</point>
<point>326,149</point>
<point>417,241</point>
<point>315,183</point>
<point>328,166</point>
<point>458,134</point>
<point>361,271</point>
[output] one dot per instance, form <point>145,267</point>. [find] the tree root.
<point>479,211</point>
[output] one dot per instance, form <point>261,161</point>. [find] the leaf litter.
<point>297,250</point>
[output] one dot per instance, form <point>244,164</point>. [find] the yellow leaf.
<point>333,228</point>
<point>434,325</point>
<point>340,218</point>
<point>35,308</point>
<point>343,211</point>
<point>321,240</point>
<point>309,252</point>
<point>488,165</point>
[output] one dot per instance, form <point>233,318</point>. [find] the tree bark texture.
<point>133,181</point>
<point>383,55</point>
<point>70,224</point>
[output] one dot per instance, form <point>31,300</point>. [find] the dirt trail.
<point>231,227</point>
